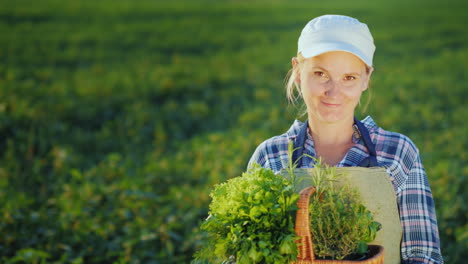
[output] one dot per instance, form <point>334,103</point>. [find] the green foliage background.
<point>118,117</point>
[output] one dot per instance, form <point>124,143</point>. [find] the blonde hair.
<point>291,83</point>
<point>293,88</point>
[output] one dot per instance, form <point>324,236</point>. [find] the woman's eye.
<point>320,74</point>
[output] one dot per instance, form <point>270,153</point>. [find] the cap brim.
<point>325,47</point>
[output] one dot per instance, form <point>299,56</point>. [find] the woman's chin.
<point>331,118</point>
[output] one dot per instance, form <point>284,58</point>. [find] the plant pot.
<point>306,250</point>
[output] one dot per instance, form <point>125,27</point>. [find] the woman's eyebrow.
<point>352,73</point>
<point>314,68</point>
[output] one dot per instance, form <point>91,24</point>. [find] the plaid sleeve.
<point>420,243</point>
<point>271,154</point>
<point>259,157</point>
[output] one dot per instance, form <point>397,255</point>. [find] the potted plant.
<point>251,220</point>
<point>260,218</point>
<point>332,222</point>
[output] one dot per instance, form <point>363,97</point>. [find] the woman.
<point>331,71</point>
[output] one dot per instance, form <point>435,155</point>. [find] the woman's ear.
<point>295,68</point>
<point>368,76</point>
<point>371,70</point>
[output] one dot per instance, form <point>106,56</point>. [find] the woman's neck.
<point>331,133</point>
<point>331,140</point>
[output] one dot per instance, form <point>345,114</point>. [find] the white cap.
<point>336,33</point>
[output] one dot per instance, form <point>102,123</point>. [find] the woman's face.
<point>332,84</point>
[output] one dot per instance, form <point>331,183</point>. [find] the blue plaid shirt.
<point>398,154</point>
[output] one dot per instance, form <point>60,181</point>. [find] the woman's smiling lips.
<point>330,104</point>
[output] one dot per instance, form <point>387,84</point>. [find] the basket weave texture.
<point>305,246</point>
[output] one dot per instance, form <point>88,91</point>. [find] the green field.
<point>117,118</point>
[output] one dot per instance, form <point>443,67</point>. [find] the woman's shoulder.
<point>281,141</point>
<point>395,151</point>
<point>389,140</point>
<point>272,151</point>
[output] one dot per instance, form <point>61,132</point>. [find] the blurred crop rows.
<point>118,117</point>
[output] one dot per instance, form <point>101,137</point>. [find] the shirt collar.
<point>354,155</point>
<point>368,122</point>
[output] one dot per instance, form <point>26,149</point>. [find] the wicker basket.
<point>306,250</point>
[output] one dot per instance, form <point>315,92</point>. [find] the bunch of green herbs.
<point>341,226</point>
<point>251,220</point>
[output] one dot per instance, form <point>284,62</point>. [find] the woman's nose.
<point>332,89</point>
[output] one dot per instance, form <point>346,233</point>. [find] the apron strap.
<point>299,142</point>
<point>370,161</point>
